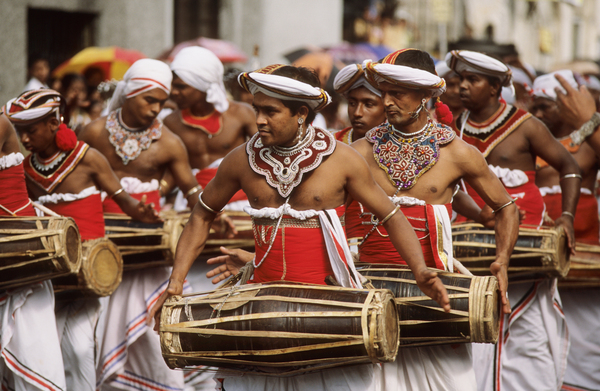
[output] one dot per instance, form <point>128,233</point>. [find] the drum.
<point>280,328</point>
<point>100,273</point>
<point>475,304</point>
<point>34,249</point>
<point>145,245</point>
<point>585,268</point>
<point>538,253</point>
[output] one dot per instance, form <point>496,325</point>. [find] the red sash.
<point>378,248</point>
<point>297,248</point>
<point>13,195</point>
<point>49,183</point>
<point>528,198</point>
<point>586,216</point>
<point>212,123</point>
<point>507,119</point>
<point>207,174</point>
<point>343,135</point>
<point>110,206</point>
<point>87,213</point>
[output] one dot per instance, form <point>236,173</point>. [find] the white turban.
<point>20,110</point>
<point>520,77</point>
<point>405,76</point>
<point>282,87</point>
<point>144,75</point>
<point>200,68</point>
<point>442,69</point>
<point>352,77</point>
<point>591,82</point>
<point>543,86</point>
<point>465,60</point>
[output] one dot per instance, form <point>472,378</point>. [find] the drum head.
<point>103,267</point>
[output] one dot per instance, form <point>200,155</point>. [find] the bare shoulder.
<point>93,130</point>
<point>235,161</point>
<point>172,120</point>
<point>170,140</point>
<point>95,160</point>
<point>363,147</point>
<point>532,127</point>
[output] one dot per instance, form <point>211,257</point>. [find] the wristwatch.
<point>586,129</point>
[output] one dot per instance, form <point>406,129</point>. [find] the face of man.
<point>546,110</point>
<point>276,124</point>
<point>40,70</point>
<point>140,110</point>
<point>400,103</point>
<point>184,95</point>
<point>365,110</point>
<point>475,90</point>
<point>38,136</point>
<point>452,95</point>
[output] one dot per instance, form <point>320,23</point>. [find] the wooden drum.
<point>280,328</point>
<point>475,304</point>
<point>100,273</point>
<point>34,249</point>
<point>145,245</point>
<point>585,268</point>
<point>538,252</point>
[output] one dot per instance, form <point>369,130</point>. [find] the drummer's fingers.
<point>564,84</point>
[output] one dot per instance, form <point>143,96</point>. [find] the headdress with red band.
<point>283,87</point>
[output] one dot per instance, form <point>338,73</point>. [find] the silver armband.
<point>586,129</point>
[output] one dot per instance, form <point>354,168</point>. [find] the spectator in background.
<point>38,70</point>
<point>451,97</point>
<point>74,90</point>
<point>237,93</point>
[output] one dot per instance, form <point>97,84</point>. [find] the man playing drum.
<point>140,150</point>
<point>65,174</point>
<point>531,351</point>
<point>418,162</point>
<point>27,320</point>
<point>291,169</point>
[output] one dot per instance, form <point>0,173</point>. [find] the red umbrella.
<point>112,60</point>
<point>226,51</point>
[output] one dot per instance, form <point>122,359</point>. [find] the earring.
<point>300,122</point>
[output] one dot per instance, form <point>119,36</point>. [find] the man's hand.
<point>146,212</point>
<point>229,264</point>
<point>567,223</point>
<point>174,288</point>
<point>224,225</point>
<point>499,269</point>
<point>577,106</point>
<point>432,286</point>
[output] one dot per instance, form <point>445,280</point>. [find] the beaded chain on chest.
<point>129,143</point>
<point>405,157</point>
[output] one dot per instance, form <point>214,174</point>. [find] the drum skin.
<point>585,268</point>
<point>286,327</point>
<point>474,301</point>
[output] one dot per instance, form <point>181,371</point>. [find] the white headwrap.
<point>352,77</point>
<point>543,86</point>
<point>442,69</point>
<point>520,77</point>
<point>465,60</point>
<point>405,76</point>
<point>20,110</point>
<point>144,75</point>
<point>591,82</point>
<point>282,87</point>
<point>200,68</point>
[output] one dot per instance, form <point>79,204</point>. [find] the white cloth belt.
<point>11,160</point>
<point>134,185</point>
<point>67,197</point>
<point>510,178</point>
<point>545,190</point>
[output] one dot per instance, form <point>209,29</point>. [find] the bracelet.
<point>390,215</point>
<point>586,129</point>
<point>116,193</point>
<point>566,212</point>
<point>503,206</point>
<point>566,176</point>
<point>193,190</point>
<point>208,208</point>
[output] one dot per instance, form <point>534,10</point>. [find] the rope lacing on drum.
<point>188,312</point>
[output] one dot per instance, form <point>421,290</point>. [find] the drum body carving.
<point>280,328</point>
<point>145,245</point>
<point>34,249</point>
<point>100,273</point>
<point>537,253</point>
<point>585,268</point>
<point>475,306</point>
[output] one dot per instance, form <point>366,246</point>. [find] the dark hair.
<point>34,58</point>
<point>70,78</point>
<point>305,75</point>
<point>418,59</point>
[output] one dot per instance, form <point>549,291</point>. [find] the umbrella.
<point>226,51</point>
<point>113,61</point>
<point>349,53</point>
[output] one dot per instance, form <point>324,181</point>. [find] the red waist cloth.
<point>110,206</point>
<point>528,199</point>
<point>13,195</point>
<point>207,174</point>
<point>298,254</point>
<point>378,248</point>
<point>586,216</point>
<point>87,213</point>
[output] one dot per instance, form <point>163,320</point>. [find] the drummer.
<point>533,357</point>
<point>28,323</point>
<point>140,150</point>
<point>310,193</point>
<point>65,174</point>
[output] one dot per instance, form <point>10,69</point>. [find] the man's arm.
<point>363,188</point>
<point>180,169</point>
<point>488,186</point>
